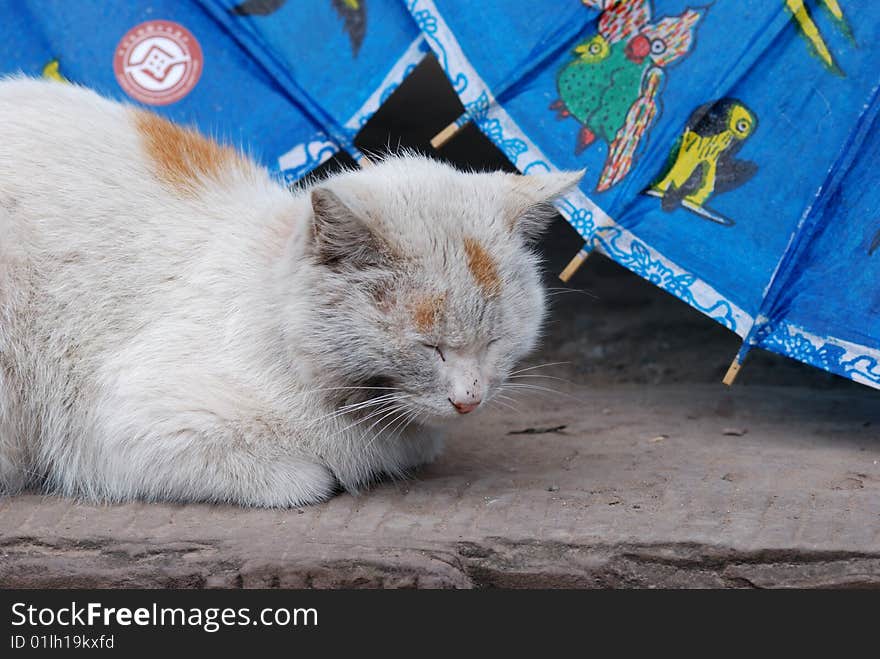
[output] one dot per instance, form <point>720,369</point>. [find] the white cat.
<point>175,324</point>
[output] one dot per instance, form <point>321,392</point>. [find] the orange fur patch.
<point>482,267</point>
<point>427,311</point>
<point>181,156</point>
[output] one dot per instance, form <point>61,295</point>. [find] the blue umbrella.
<point>730,149</point>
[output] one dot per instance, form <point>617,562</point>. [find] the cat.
<point>175,324</point>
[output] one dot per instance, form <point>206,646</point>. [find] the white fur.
<point>160,346</point>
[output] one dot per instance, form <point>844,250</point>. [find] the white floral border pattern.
<point>601,232</point>
<point>850,360</point>
<point>299,160</point>
<point>303,158</point>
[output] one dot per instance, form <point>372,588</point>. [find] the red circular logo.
<point>158,62</point>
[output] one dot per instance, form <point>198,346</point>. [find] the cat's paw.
<point>300,483</point>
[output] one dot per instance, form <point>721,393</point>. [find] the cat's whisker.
<point>530,387</point>
<point>356,407</point>
<point>532,368</point>
<point>540,390</point>
<point>393,431</point>
<point>390,406</point>
<point>512,398</point>
<point>368,401</point>
<point>506,397</point>
<point>535,375</point>
<point>377,399</point>
<point>385,413</point>
<point>407,420</point>
<point>559,291</point>
<point>310,391</point>
<point>397,414</point>
<point>371,391</point>
<point>503,404</point>
<point>401,427</point>
<point>382,409</point>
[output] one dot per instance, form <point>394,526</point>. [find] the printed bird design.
<point>612,85</point>
<point>702,161</point>
<point>354,17</point>
<point>52,71</point>
<point>811,32</point>
<point>352,12</point>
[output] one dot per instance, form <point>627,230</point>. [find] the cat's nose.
<point>466,400</point>
<point>466,392</point>
<point>464,408</point>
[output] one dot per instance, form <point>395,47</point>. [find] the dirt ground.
<point>640,470</point>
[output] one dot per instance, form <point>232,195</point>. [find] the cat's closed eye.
<point>436,349</point>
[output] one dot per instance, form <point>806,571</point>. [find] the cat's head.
<point>424,283</point>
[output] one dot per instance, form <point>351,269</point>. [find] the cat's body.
<point>174,324</point>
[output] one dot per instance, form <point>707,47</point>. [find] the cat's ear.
<point>531,210</point>
<point>339,236</point>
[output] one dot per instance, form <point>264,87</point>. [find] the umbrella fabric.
<point>208,64</point>
<point>342,58</point>
<point>222,89</point>
<point>729,149</point>
<point>824,305</point>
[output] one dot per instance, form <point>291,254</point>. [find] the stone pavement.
<point>634,485</point>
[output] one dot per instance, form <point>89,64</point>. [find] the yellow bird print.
<point>807,26</point>
<point>52,71</point>
<point>702,163</point>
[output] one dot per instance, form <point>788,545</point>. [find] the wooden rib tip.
<point>573,265</point>
<point>732,372</point>
<point>445,135</point>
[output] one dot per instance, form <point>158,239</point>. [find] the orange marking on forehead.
<point>482,267</point>
<point>181,156</point>
<point>428,310</point>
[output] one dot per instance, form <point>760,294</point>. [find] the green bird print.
<point>613,83</point>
